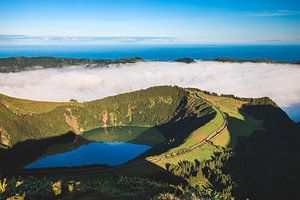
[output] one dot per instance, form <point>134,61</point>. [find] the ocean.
<point>156,52</point>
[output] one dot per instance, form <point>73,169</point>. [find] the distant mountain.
<point>259,60</point>
<point>16,64</point>
<point>185,60</point>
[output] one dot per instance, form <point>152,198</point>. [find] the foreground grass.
<point>90,186</point>
<point>95,187</point>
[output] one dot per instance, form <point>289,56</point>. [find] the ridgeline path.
<point>199,144</point>
<point>159,158</point>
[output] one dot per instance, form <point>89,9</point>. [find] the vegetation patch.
<point>25,119</point>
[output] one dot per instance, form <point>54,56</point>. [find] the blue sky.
<point>189,21</point>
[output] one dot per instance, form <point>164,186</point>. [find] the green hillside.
<point>204,146</point>
<point>24,119</point>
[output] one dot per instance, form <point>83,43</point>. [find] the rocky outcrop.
<point>104,119</point>
<point>4,137</point>
<point>72,122</point>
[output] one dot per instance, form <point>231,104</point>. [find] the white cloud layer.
<point>281,82</point>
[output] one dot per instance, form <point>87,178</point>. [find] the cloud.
<point>281,82</point>
<point>277,13</point>
<point>26,39</point>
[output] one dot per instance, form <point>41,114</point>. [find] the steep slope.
<point>262,162</point>
<point>24,119</point>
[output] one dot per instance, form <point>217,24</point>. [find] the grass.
<point>201,153</point>
<point>239,123</point>
<point>85,187</point>
<point>223,139</point>
<point>24,119</point>
<point>24,106</point>
<point>201,133</point>
<point>213,125</point>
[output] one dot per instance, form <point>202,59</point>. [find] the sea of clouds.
<point>281,82</point>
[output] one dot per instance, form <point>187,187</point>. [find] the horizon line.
<point>21,39</point>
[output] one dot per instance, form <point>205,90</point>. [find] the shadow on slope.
<point>242,128</point>
<point>264,165</point>
<point>132,134</point>
<point>26,152</point>
<point>177,130</point>
<point>30,150</point>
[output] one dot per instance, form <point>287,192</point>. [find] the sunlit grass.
<point>239,123</point>
<point>201,153</point>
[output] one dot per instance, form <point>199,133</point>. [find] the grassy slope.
<point>239,123</point>
<point>25,119</point>
<point>146,108</point>
<point>204,152</point>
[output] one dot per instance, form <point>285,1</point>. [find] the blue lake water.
<point>93,153</point>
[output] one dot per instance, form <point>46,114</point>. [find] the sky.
<point>170,21</point>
